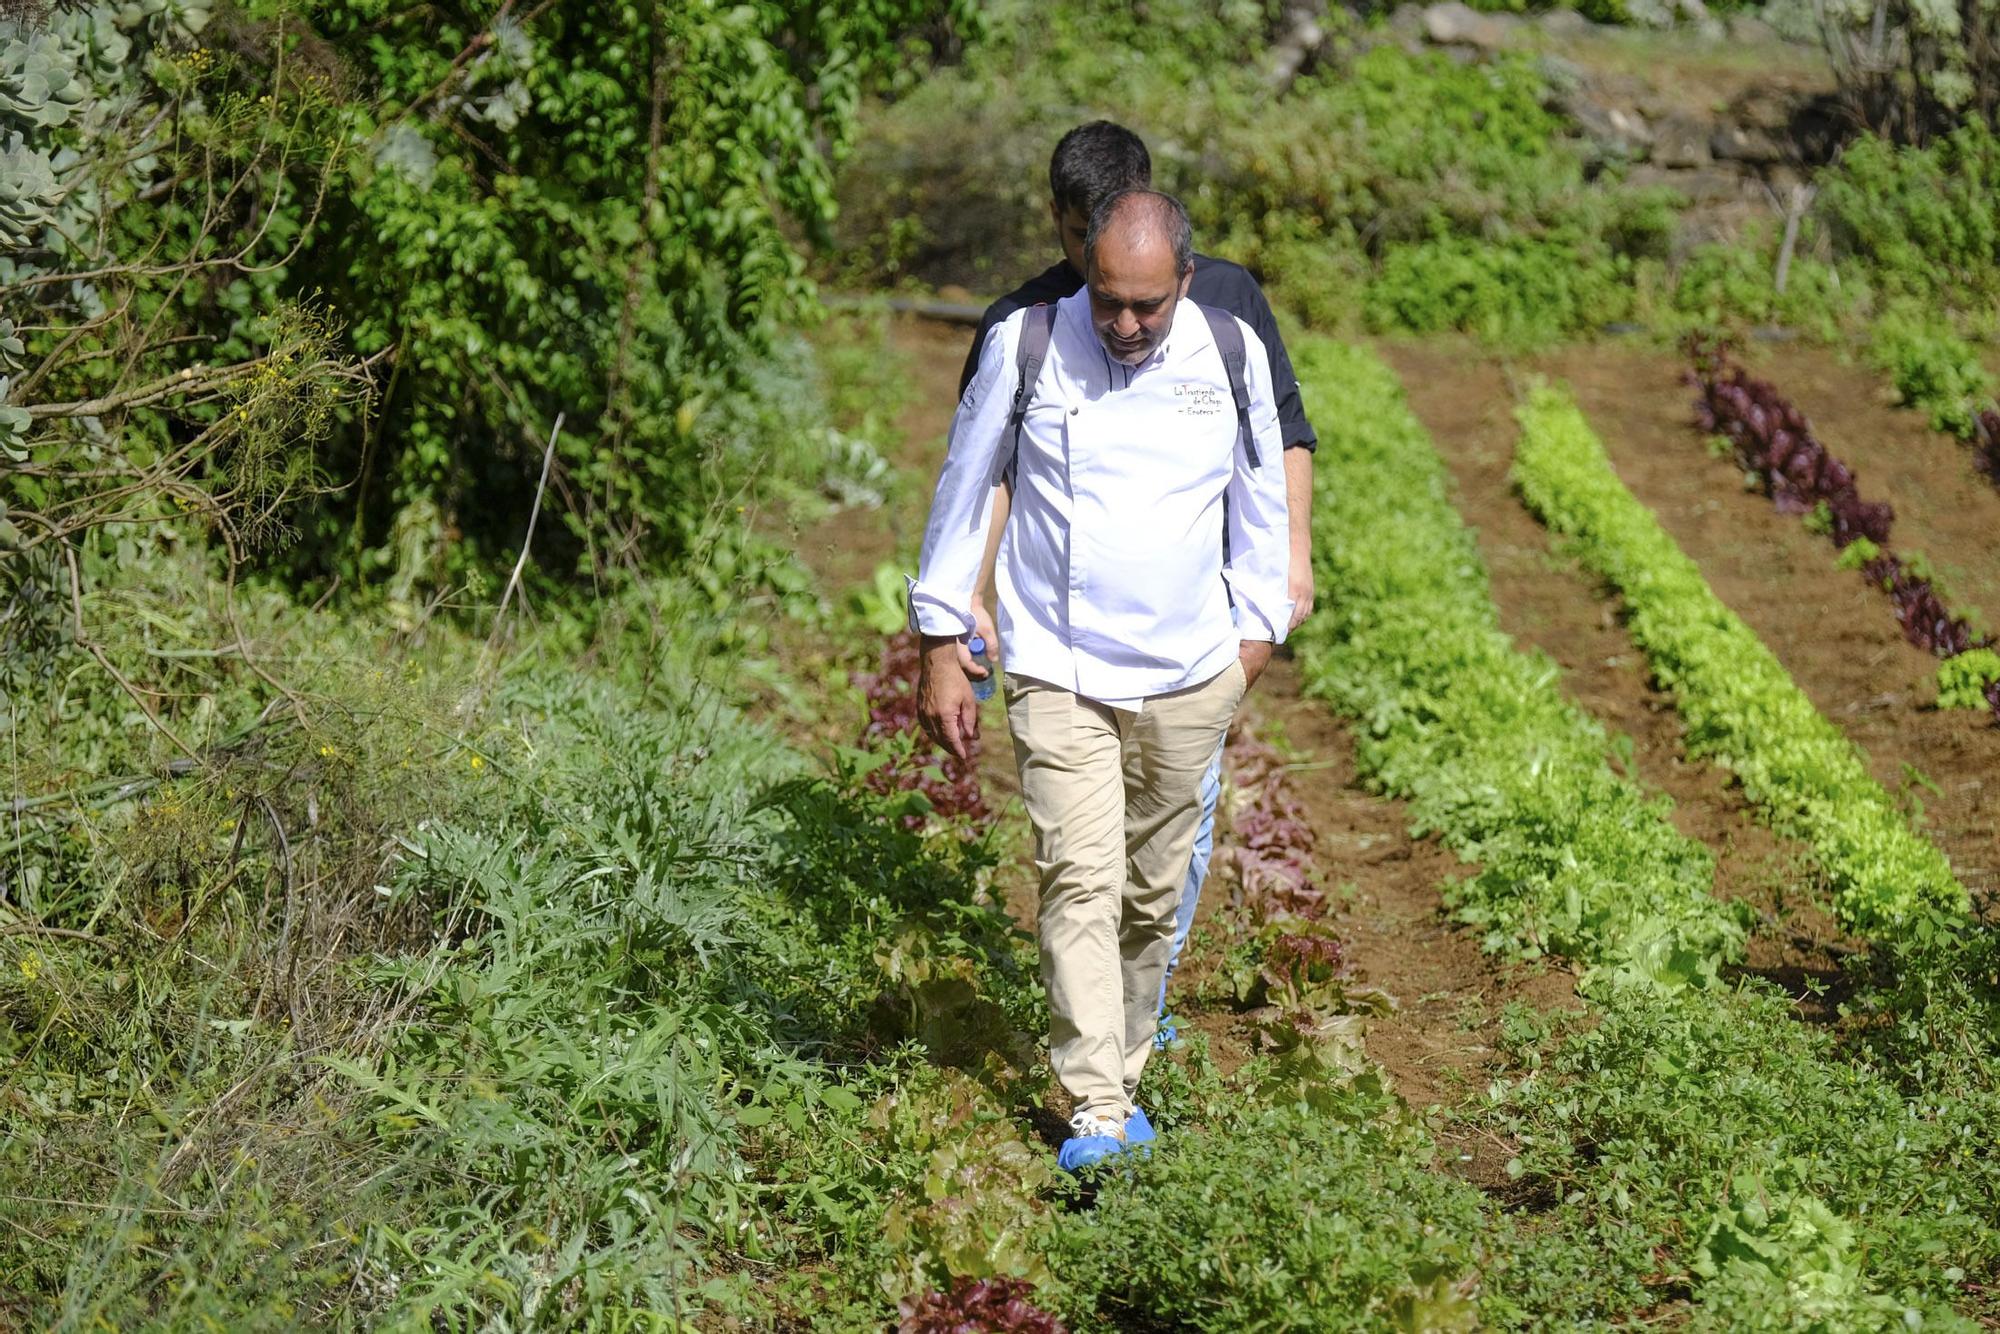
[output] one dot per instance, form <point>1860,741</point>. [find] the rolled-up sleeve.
<point>1259,529</point>
<point>961,509</point>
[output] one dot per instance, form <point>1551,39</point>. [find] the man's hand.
<point>1256,656</point>
<point>1298,516</point>
<point>982,625</point>
<point>945,706</point>
<point>1299,583</point>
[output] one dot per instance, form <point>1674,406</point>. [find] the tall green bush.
<point>440,228</point>
<point>1924,222</point>
<point>588,216</point>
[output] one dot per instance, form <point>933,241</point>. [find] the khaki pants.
<point>1114,798</point>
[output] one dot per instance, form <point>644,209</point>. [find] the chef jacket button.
<point>1074,411</point>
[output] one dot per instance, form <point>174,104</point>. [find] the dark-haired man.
<point>1090,164</point>
<point>1142,582</point>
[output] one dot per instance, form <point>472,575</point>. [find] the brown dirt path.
<point>1441,1040</point>
<point>1833,632</point>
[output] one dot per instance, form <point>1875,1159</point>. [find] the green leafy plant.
<point>1742,708</point>
<point>1923,221</point>
<point>1965,682</point>
<point>1289,1220</point>
<point>1933,369</point>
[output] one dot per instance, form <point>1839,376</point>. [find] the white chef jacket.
<point>1111,575</point>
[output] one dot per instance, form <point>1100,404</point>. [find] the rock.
<point>1769,106</point>
<point>1565,23</point>
<point>1407,21</point>
<point>1749,30</point>
<point>1741,143</point>
<point>1452,23</point>
<point>1616,129</point>
<point>1564,78</point>
<point>1298,50</point>
<point>1680,142</point>
<point>1704,185</point>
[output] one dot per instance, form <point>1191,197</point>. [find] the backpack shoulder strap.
<point>1029,354</point>
<point>1229,342</point>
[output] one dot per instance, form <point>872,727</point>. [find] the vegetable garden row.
<point>1688,1141</point>
<point>1708,1140</point>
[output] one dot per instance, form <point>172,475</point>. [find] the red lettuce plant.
<point>1926,621</point>
<point>1774,441</point>
<point>977,1306</point>
<point>914,761</point>
<point>1272,845</point>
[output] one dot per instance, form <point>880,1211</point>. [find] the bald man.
<point>1142,583</point>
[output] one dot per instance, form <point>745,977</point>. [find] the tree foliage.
<point>421,233</point>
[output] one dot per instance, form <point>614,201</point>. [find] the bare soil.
<point>1440,1043</point>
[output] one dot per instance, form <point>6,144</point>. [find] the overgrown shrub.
<point>503,996</point>
<point>1923,222</point>
<point>1932,368</point>
<point>491,219</point>
<point>1912,69</point>
<point>1721,286</point>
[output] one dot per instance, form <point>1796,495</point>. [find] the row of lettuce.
<point>1783,456</point>
<point>1740,706</point>
<point>1779,1174</point>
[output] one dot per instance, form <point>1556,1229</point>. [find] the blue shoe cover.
<point>1138,1130</point>
<point>1081,1151</point>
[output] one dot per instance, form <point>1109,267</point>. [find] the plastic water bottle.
<point>982,687</point>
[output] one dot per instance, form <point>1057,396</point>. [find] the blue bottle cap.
<point>976,644</point>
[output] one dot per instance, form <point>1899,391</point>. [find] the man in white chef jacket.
<point>1142,582</point>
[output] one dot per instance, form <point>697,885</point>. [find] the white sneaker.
<point>1093,1138</point>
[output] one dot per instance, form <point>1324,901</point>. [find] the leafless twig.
<point>534,512</point>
